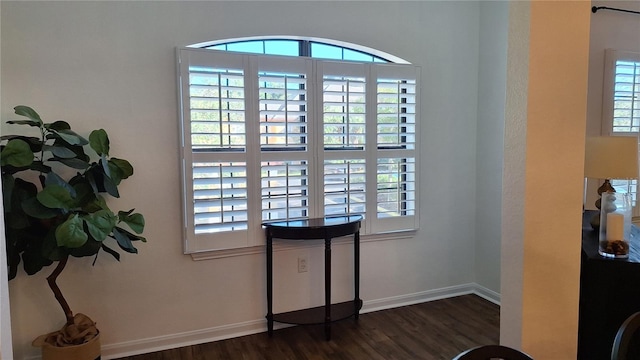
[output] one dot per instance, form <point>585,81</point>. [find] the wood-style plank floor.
<point>433,330</point>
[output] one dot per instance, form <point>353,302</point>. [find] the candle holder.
<point>615,225</point>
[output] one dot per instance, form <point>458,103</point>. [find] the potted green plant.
<point>55,208</point>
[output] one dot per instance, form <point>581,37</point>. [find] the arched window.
<point>325,130</point>
<point>309,47</point>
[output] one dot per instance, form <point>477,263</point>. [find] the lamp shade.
<point>611,157</point>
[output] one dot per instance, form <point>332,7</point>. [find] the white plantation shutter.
<point>283,90</point>
<point>621,105</point>
<point>626,96</point>
<point>396,153</point>
<point>344,107</point>
<point>344,187</point>
<point>220,197</point>
<point>214,146</point>
<point>272,138</point>
<point>285,190</point>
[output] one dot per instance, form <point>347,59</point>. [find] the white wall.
<point>492,82</point>
<point>112,65</point>
<point>609,30</point>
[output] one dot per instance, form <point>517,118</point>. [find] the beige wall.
<point>540,304</point>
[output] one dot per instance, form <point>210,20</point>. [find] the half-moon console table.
<point>325,228</point>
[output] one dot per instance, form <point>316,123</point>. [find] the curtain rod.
<point>596,8</point>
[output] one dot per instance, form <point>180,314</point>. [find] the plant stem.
<point>44,139</point>
<point>51,279</point>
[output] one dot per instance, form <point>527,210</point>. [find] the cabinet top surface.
<point>314,223</point>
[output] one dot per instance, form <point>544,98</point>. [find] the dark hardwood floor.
<point>434,330</point>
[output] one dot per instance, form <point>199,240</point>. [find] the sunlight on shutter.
<point>396,187</point>
<point>396,113</point>
<point>396,141</point>
<point>282,111</point>
<point>626,112</point>
<point>344,187</point>
<point>271,138</point>
<point>220,196</point>
<point>216,99</point>
<point>284,190</point>
<point>344,112</point>
<point>626,97</point>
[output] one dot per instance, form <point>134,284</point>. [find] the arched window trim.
<point>228,161</point>
<point>347,45</point>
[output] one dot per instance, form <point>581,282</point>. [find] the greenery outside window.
<point>268,137</point>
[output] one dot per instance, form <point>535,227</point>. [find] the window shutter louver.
<point>216,99</point>
<point>626,97</point>
<point>220,197</point>
<point>344,187</point>
<point>269,138</point>
<point>621,106</point>
<point>283,111</point>
<point>344,112</point>
<point>284,138</point>
<point>284,190</point>
<point>396,129</point>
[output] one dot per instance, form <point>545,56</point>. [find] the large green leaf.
<point>100,224</point>
<point>28,112</point>
<point>50,248</point>
<point>34,143</point>
<point>70,137</point>
<point>72,163</point>
<point>99,142</point>
<point>105,166</point>
<point>34,208</point>
<point>55,179</point>
<point>8,183</point>
<point>90,177</point>
<point>58,125</point>
<point>55,197</point>
<point>131,236</point>
<point>34,261</point>
<point>60,151</point>
<point>40,167</point>
<point>71,233</point>
<point>78,150</point>
<point>123,241</point>
<point>25,122</point>
<point>111,252</point>
<point>89,248</point>
<point>134,221</point>
<point>16,153</point>
<point>22,191</point>
<point>120,166</point>
<point>110,187</point>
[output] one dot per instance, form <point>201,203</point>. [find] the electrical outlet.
<point>303,264</point>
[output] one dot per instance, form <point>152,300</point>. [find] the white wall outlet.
<point>303,264</point>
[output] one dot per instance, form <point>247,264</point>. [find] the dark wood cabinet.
<point>609,293</point>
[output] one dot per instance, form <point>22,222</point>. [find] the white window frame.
<point>612,56</point>
<point>252,64</point>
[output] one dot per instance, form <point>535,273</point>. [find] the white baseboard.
<point>165,342</point>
